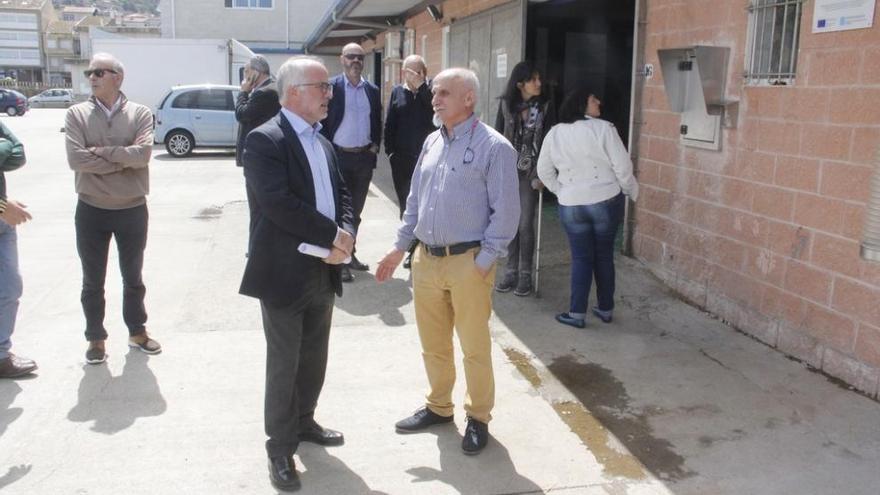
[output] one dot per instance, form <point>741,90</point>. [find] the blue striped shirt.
<point>464,188</point>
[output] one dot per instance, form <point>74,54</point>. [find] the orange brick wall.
<point>766,232</point>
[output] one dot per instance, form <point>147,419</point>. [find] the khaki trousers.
<point>450,293</point>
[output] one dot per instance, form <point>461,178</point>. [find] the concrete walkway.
<point>664,400</point>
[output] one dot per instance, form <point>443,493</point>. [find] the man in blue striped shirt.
<point>463,209</point>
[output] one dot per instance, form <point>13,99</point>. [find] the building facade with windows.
<point>22,53</point>
<point>756,200</point>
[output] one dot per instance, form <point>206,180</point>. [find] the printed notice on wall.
<point>842,15</point>
<point>501,65</point>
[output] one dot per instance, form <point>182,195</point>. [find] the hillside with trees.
<point>128,6</point>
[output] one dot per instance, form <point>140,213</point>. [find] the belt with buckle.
<point>359,149</point>
<point>452,250</point>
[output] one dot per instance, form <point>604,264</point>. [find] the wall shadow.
<point>114,403</point>
<point>13,474</point>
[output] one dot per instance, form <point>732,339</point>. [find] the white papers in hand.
<point>317,251</point>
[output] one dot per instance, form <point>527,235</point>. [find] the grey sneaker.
<point>145,343</point>
<point>507,282</point>
<point>524,285</point>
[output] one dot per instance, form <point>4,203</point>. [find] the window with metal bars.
<point>774,27</point>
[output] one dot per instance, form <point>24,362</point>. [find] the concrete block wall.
<point>766,232</point>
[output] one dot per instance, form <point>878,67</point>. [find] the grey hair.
<point>259,64</point>
<point>110,59</point>
<point>416,59</point>
<point>465,76</point>
<point>293,72</point>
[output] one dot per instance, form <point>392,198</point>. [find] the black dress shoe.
<point>14,366</point>
<point>476,436</point>
<point>420,420</point>
<point>282,473</point>
<point>321,436</point>
<point>356,264</point>
<point>346,274</point>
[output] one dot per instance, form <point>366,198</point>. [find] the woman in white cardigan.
<point>584,162</point>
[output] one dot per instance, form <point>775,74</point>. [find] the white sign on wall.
<point>842,15</point>
<point>501,65</point>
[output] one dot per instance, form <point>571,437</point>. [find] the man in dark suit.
<point>354,125</point>
<point>256,103</point>
<point>300,198</point>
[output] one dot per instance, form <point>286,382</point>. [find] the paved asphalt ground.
<point>664,400</point>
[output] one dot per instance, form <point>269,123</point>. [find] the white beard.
<point>438,122</point>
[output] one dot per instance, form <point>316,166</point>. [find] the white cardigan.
<point>585,162</point>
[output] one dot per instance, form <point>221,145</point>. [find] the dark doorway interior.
<point>585,42</point>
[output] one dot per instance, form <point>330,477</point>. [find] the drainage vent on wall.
<point>871,240</point>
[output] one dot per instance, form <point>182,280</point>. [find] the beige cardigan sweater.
<point>110,155</point>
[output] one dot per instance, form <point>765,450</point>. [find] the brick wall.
<point>425,26</point>
<point>766,232</point>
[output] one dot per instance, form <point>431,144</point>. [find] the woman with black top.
<point>524,116</point>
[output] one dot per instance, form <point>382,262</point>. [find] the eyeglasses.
<point>325,87</point>
<point>352,56</point>
<point>98,72</point>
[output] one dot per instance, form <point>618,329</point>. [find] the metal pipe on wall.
<point>635,115</point>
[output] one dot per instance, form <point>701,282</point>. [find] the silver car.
<point>201,115</point>
<point>53,98</point>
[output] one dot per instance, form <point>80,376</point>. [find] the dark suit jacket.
<point>336,110</point>
<point>278,177</point>
<point>252,110</point>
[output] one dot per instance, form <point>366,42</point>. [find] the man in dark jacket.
<point>256,103</point>
<point>12,213</point>
<point>354,126</point>
<point>408,122</point>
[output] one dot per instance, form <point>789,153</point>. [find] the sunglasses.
<point>352,56</point>
<point>98,72</point>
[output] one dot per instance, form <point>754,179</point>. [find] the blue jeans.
<point>591,232</point>
<point>10,286</point>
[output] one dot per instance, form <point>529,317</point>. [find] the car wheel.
<point>11,111</point>
<point>179,143</point>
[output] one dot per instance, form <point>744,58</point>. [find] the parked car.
<point>193,116</point>
<point>56,98</point>
<point>12,102</point>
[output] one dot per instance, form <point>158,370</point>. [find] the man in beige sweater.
<point>109,141</point>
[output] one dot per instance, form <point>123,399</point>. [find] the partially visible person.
<point>524,116</point>
<point>585,163</point>
<point>109,143</point>
<point>300,198</point>
<point>463,209</point>
<point>408,121</point>
<point>12,213</point>
<point>354,126</point>
<point>256,103</point>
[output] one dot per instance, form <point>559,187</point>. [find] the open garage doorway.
<point>586,42</point>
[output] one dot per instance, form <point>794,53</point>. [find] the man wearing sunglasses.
<point>109,141</point>
<point>354,126</point>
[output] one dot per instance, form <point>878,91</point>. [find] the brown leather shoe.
<point>14,366</point>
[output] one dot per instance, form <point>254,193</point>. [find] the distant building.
<point>22,24</point>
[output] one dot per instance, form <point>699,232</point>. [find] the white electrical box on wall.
<point>695,79</point>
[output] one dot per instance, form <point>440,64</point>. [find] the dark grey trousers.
<point>521,252</point>
<point>296,359</point>
<point>94,229</point>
